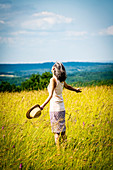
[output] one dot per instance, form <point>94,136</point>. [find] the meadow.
<point>29,144</point>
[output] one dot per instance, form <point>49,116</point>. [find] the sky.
<point>36,31</point>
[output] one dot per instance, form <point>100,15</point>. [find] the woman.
<point>57,109</point>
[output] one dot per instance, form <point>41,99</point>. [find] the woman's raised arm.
<point>72,88</point>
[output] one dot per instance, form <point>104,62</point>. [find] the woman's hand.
<point>78,90</point>
<point>41,107</point>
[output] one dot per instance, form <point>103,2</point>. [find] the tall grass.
<point>29,144</point>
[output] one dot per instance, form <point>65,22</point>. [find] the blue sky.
<point>56,30</point>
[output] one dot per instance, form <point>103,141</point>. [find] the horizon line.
<point>111,61</point>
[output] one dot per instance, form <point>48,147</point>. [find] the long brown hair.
<point>60,71</point>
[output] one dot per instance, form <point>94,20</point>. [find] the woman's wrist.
<point>41,107</point>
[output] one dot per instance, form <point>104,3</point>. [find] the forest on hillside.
<point>35,82</point>
<point>19,77</point>
<point>40,82</point>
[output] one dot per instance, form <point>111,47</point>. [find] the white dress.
<point>57,109</point>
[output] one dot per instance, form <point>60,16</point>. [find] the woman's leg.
<point>64,139</point>
<point>63,135</point>
<point>56,136</point>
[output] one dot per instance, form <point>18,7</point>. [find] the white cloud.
<point>75,33</point>
<point>18,33</point>
<point>2,22</point>
<point>45,20</point>
<point>107,31</point>
<point>5,6</point>
<point>50,16</point>
<point>8,40</point>
<point>44,13</point>
<point>22,33</point>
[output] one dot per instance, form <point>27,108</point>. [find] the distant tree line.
<point>39,82</point>
<point>35,82</point>
<point>93,83</point>
<point>89,76</point>
<point>17,80</point>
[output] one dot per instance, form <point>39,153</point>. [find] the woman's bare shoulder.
<point>53,81</point>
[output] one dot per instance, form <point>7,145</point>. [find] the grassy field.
<point>29,144</point>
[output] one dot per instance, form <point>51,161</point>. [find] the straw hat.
<point>34,112</point>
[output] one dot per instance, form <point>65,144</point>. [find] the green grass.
<point>89,123</point>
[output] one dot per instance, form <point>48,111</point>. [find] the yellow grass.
<point>89,123</point>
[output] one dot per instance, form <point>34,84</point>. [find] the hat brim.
<point>34,112</point>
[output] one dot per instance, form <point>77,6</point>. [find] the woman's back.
<point>56,103</point>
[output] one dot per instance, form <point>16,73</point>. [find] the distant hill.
<point>41,67</point>
<point>76,71</point>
